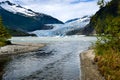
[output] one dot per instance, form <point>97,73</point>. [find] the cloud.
<point>61,9</point>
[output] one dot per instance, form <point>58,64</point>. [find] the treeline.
<point>4,35</point>
<point>107,26</point>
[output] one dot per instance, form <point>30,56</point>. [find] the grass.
<point>108,61</point>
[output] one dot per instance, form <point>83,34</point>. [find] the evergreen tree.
<point>3,32</point>
<point>4,35</point>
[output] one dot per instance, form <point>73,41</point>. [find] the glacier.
<point>62,29</point>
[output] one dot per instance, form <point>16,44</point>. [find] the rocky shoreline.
<point>89,69</point>
<point>17,48</point>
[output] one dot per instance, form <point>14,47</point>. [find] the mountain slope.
<point>19,18</point>
<point>18,33</point>
<point>84,29</point>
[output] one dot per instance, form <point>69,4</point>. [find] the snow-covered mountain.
<point>72,20</point>
<point>15,8</point>
<point>63,29</point>
<point>17,17</point>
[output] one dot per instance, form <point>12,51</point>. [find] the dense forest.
<point>4,35</point>
<point>106,23</point>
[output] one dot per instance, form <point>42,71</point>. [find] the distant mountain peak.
<point>15,8</point>
<point>72,20</point>
<point>79,19</point>
<point>8,2</point>
<point>86,16</point>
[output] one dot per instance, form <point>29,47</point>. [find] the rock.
<point>19,48</point>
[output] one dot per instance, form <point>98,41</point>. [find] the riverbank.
<point>17,48</point>
<point>89,70</point>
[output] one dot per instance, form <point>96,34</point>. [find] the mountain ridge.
<point>24,19</point>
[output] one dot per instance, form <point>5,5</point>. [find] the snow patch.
<point>16,9</point>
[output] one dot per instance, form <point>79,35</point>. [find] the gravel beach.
<point>88,67</point>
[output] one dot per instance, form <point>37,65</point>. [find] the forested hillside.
<point>108,14</point>
<point>106,23</point>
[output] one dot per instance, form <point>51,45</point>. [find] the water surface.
<point>58,60</point>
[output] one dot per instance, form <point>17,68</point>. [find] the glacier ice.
<point>62,29</point>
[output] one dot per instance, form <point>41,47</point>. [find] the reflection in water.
<point>58,60</point>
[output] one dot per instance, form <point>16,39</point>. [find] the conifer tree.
<point>3,32</point>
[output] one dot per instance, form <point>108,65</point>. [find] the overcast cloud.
<point>61,9</point>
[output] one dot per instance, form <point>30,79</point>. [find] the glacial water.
<point>58,60</point>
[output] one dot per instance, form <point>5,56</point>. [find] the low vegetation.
<point>107,25</point>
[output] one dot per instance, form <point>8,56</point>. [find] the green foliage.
<point>3,32</point>
<point>4,35</point>
<point>108,32</point>
<point>107,25</point>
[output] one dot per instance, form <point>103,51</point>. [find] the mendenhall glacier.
<point>63,29</point>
